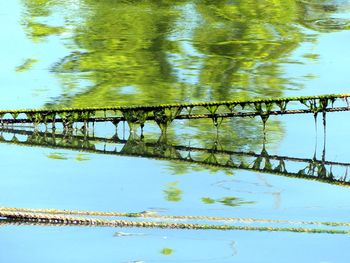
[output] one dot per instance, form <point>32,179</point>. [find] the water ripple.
<point>331,24</point>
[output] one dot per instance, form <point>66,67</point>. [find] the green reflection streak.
<point>143,52</point>
<point>241,44</point>
<point>129,49</point>
<point>26,65</point>
<point>228,201</point>
<point>234,201</point>
<point>57,156</point>
<point>172,192</point>
<point>245,44</point>
<point>323,15</point>
<point>167,251</point>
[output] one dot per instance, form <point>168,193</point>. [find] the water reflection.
<point>204,158</point>
<point>161,51</point>
<point>27,64</point>
<point>325,15</point>
<point>228,201</point>
<point>136,52</point>
<point>167,251</point>
<point>154,52</point>
<point>172,192</point>
<point>179,51</point>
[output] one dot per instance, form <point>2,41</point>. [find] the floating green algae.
<point>233,201</point>
<point>172,192</point>
<point>82,157</point>
<point>26,65</point>
<point>57,156</point>
<point>39,30</point>
<point>208,200</point>
<point>227,201</point>
<point>167,251</point>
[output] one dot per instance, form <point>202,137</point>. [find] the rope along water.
<point>52,220</point>
<point>55,216</point>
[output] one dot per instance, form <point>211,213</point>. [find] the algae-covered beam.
<point>260,101</point>
<point>164,114</point>
<point>186,116</point>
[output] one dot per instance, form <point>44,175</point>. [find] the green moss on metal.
<point>164,114</point>
<point>243,103</point>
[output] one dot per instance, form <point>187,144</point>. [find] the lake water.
<point>82,53</point>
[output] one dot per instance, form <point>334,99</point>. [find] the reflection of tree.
<point>124,59</point>
<point>122,56</point>
<point>244,44</point>
<point>167,251</point>
<point>228,201</point>
<point>172,193</point>
<point>39,9</point>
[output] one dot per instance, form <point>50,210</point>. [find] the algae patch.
<point>26,65</point>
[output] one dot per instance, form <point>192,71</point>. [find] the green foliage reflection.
<point>228,201</point>
<point>172,193</point>
<point>166,251</point>
<point>151,52</point>
<point>231,50</point>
